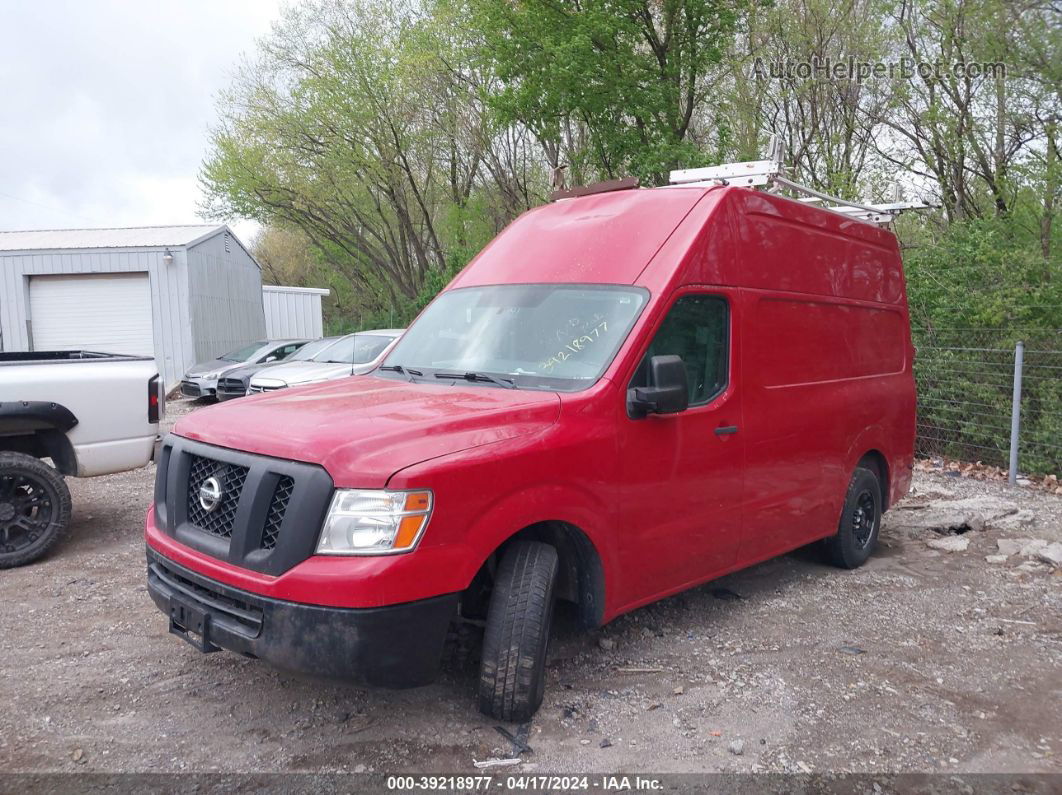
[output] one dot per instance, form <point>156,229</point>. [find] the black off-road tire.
<point>512,672</point>
<point>857,532</point>
<point>19,473</point>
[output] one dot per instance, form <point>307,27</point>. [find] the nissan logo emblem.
<point>210,494</point>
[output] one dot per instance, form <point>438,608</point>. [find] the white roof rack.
<point>771,173</point>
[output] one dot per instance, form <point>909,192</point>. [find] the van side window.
<point>695,328</point>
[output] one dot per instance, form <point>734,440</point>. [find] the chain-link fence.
<point>965,383</point>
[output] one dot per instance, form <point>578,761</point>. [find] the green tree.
<point>612,87</point>
<point>339,128</point>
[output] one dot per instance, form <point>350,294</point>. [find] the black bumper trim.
<point>396,646</point>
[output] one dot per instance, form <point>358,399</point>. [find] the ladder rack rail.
<point>770,175</point>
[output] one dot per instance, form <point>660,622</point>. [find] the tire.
<point>512,672</point>
<point>857,532</point>
<point>34,509</point>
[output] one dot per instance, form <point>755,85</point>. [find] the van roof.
<point>601,238</point>
<point>612,238</point>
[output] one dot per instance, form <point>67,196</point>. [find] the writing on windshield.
<point>538,336</point>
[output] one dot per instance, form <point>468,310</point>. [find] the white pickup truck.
<point>89,413</point>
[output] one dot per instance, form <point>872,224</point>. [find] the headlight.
<point>374,522</point>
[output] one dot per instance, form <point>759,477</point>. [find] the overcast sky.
<point>105,106</point>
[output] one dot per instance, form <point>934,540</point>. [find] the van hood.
<point>364,429</point>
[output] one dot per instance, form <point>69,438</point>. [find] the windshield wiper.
<point>397,368</point>
<point>507,383</point>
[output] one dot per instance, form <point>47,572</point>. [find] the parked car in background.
<point>234,383</point>
<point>202,379</point>
<point>353,354</point>
<point>89,413</point>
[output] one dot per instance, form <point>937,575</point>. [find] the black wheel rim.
<point>864,519</point>
<point>26,510</point>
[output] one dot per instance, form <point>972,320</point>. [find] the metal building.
<point>181,293</point>
<point>293,312</point>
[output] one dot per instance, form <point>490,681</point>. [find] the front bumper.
<point>395,646</point>
<point>192,387</point>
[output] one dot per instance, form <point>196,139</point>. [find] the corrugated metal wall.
<point>293,312</point>
<point>206,302</point>
<point>225,290</point>
<point>174,349</point>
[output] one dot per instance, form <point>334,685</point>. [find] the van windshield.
<point>557,337</point>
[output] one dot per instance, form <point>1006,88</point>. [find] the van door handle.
<point>726,430</point>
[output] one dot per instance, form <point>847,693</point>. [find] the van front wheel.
<point>857,533</point>
<point>512,673</point>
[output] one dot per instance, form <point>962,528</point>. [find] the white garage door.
<point>108,312</point>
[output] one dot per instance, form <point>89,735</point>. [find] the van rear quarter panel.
<point>827,364</point>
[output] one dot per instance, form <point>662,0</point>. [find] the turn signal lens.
<point>362,522</point>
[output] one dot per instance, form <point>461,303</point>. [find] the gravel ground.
<point>921,661</point>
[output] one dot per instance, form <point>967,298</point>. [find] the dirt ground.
<point>924,660</point>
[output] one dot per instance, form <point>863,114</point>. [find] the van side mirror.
<point>668,390</point>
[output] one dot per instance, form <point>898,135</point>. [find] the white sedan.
<point>354,354</point>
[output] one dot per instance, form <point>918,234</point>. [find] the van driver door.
<point>682,481</point>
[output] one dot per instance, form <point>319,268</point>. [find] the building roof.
<point>280,288</point>
<point>130,237</point>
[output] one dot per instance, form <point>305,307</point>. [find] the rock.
<point>1009,546</point>
<point>1032,548</point>
<point>995,558</point>
<point>949,543</point>
<point>678,691</point>
<point>737,747</point>
<point>359,768</point>
<point>78,756</point>
<point>972,513</point>
<point>1015,521</point>
<point>1052,554</point>
<point>606,743</point>
<point>584,742</point>
<point>606,644</point>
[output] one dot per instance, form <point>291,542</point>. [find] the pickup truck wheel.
<point>34,508</point>
<point>512,674</point>
<point>857,533</point>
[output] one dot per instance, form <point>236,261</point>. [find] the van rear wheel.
<point>857,532</point>
<point>512,674</point>
<point>34,509</point>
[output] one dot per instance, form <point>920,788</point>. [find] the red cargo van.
<point>623,396</point>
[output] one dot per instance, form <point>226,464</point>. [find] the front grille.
<point>278,506</point>
<point>254,388</point>
<point>232,386</point>
<point>219,520</point>
<point>253,525</point>
<point>188,389</point>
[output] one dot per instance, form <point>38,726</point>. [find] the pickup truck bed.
<point>106,394</point>
<point>90,413</point>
